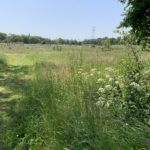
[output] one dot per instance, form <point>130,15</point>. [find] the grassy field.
<point>72,98</point>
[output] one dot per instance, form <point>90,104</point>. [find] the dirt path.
<point>12,85</point>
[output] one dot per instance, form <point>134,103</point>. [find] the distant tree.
<point>59,41</point>
<point>106,43</point>
<point>13,38</point>
<point>25,39</point>
<point>137,16</point>
<point>3,36</point>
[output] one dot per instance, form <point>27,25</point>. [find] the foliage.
<point>3,37</point>
<point>106,44</point>
<point>136,90</point>
<point>99,41</point>
<point>28,39</point>
<point>137,17</point>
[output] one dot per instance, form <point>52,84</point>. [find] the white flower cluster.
<point>100,80</point>
<point>116,82</point>
<point>109,69</point>
<point>147,72</point>
<point>108,87</point>
<point>111,79</point>
<point>93,70</point>
<point>102,102</point>
<point>101,90</point>
<point>136,86</point>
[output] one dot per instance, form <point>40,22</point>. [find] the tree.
<point>137,17</point>
<point>3,37</point>
<point>106,43</point>
<point>59,41</point>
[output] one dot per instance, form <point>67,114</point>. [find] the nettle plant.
<point>136,77</point>
<point>124,92</point>
<point>136,89</point>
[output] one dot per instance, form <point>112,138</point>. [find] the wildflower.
<point>100,80</point>
<point>147,95</point>
<point>115,89</point>
<point>136,86</point>
<point>109,69</point>
<point>101,90</point>
<point>110,79</point>
<point>107,104</point>
<point>133,84</point>
<point>100,103</point>
<point>101,99</point>
<point>66,148</point>
<point>91,75</point>
<point>116,82</point>
<point>98,72</point>
<point>85,75</point>
<point>93,70</point>
<point>107,76</point>
<point>147,72</point>
<point>108,87</point>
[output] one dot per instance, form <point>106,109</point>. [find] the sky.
<point>68,19</point>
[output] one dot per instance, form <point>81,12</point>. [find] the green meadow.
<point>60,97</point>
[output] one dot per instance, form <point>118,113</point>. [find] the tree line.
<point>28,39</point>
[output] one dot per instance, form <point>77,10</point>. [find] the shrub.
<point>136,89</point>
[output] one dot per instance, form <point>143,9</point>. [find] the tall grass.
<point>61,113</point>
<point>74,102</point>
<point>3,62</point>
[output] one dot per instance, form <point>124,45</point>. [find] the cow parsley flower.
<point>111,79</point>
<point>66,148</point>
<point>91,75</point>
<point>107,76</point>
<point>136,86</point>
<point>101,90</point>
<point>109,69</point>
<point>116,82</point>
<point>101,99</point>
<point>93,70</point>
<point>100,80</point>
<point>108,87</point>
<point>98,72</point>
<point>100,103</point>
<point>107,104</point>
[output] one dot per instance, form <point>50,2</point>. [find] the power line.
<point>93,32</point>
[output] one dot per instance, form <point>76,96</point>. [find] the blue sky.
<point>69,19</point>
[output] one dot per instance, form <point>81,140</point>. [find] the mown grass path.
<point>12,86</point>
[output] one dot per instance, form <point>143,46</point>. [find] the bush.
<point>136,89</point>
